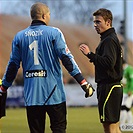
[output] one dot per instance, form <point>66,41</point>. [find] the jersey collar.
<point>37,22</point>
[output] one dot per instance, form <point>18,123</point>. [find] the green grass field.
<point>80,120</point>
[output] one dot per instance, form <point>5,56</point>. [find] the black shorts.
<point>3,104</point>
<point>109,102</point>
<point>37,114</point>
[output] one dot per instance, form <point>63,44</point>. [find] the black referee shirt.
<point>107,58</point>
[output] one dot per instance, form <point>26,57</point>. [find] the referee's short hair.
<point>105,13</point>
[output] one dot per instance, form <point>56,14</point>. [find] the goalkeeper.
<point>40,47</point>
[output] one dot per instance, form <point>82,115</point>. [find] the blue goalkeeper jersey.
<point>40,49</point>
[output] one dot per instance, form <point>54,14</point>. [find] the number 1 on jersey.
<point>34,45</point>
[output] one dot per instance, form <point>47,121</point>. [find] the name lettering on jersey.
<point>36,73</point>
<point>34,33</point>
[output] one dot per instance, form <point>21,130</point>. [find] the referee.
<point>108,70</point>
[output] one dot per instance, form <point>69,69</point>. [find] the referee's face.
<point>100,24</point>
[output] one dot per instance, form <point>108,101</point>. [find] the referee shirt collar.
<point>107,32</point>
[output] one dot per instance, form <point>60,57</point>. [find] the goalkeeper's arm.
<point>87,87</point>
<point>6,82</point>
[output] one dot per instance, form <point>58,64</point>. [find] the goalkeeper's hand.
<point>2,90</point>
<point>89,90</point>
<point>3,96</point>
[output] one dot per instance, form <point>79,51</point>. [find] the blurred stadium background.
<point>13,18</point>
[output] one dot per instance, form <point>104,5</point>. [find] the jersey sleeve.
<point>65,55</point>
<point>13,64</point>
